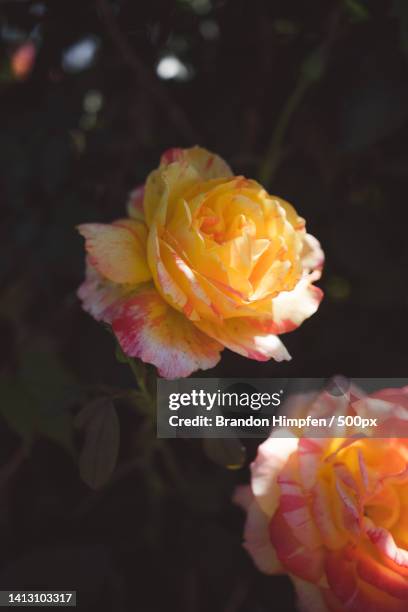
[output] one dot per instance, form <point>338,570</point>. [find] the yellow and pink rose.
<point>332,513</point>
<point>203,261</point>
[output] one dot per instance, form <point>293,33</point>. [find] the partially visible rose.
<point>205,260</point>
<point>332,513</point>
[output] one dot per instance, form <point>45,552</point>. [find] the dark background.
<point>82,126</point>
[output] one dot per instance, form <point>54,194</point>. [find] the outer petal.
<point>312,253</point>
<point>291,308</point>
<point>135,203</point>
<point>148,328</point>
<point>207,164</point>
<point>165,185</point>
<point>118,251</point>
<point>390,408</point>
<point>397,397</point>
<point>244,337</point>
<point>99,295</point>
<point>179,169</point>
<point>258,543</point>
<point>271,457</point>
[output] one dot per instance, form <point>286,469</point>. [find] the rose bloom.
<point>332,513</point>
<point>204,260</point>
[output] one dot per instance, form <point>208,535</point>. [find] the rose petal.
<point>294,506</point>
<point>312,253</point>
<point>387,547</point>
<point>198,303</point>
<point>207,164</point>
<point>354,594</point>
<point>291,308</point>
<point>382,577</point>
<point>242,336</point>
<point>256,534</point>
<point>179,169</point>
<point>164,187</point>
<point>324,515</point>
<point>148,328</point>
<point>341,578</point>
<point>118,251</point>
<point>387,405</point>
<point>98,295</point>
<point>168,287</point>
<point>310,455</point>
<point>295,557</point>
<point>270,459</point>
<point>257,541</point>
<point>349,509</point>
<point>135,203</point>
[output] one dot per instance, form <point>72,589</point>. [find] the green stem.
<point>139,371</point>
<point>273,154</point>
<point>140,378</point>
<point>161,446</point>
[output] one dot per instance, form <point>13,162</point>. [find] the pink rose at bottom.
<point>332,512</point>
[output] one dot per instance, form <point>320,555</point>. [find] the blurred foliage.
<point>36,398</point>
<point>100,451</point>
<point>357,10</point>
<point>91,93</point>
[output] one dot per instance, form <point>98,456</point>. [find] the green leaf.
<point>99,453</point>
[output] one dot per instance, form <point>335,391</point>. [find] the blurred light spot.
<point>170,67</point>
<point>93,101</point>
<point>39,9</point>
<point>80,55</point>
<point>22,60</point>
<point>209,29</point>
<point>338,288</point>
